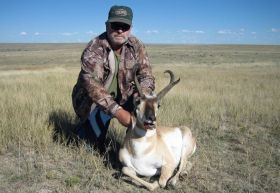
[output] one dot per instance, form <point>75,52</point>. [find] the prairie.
<point>228,96</point>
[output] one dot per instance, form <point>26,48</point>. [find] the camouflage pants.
<point>93,125</point>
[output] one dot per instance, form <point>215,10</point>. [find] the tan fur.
<point>149,150</point>
<point>156,144</point>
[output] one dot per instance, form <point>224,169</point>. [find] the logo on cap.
<point>121,12</point>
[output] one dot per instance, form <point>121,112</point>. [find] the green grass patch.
<point>228,96</point>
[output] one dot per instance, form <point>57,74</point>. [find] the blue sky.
<point>165,21</point>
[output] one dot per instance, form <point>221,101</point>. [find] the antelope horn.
<point>172,83</point>
<point>137,84</point>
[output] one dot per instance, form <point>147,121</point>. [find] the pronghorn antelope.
<point>149,149</point>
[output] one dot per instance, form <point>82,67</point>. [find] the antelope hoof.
<point>162,183</point>
<point>173,181</point>
<point>153,186</point>
<point>184,174</point>
<point>186,171</point>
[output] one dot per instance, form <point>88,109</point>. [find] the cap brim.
<point>121,20</point>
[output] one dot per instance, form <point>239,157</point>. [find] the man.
<point>105,86</point>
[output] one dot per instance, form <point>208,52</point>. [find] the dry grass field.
<point>228,95</point>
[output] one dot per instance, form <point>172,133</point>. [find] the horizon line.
<point>253,44</point>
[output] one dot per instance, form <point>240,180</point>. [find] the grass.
<point>228,95</point>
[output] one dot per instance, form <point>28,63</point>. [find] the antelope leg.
<point>181,168</point>
<point>166,173</point>
<point>188,149</point>
<point>131,173</point>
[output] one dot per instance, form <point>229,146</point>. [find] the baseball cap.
<point>121,14</point>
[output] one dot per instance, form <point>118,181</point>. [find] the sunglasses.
<point>119,26</point>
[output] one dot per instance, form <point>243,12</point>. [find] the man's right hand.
<point>124,117</point>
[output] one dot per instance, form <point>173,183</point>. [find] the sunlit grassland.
<point>228,96</point>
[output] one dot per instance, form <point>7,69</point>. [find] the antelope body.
<point>150,150</point>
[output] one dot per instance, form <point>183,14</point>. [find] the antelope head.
<point>147,105</point>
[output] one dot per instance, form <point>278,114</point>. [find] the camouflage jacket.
<point>97,70</point>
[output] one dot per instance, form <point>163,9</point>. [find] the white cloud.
<point>274,30</point>
<point>253,32</point>
<point>199,32</point>
<point>69,33</point>
<point>37,33</point>
<point>226,31</point>
<point>152,31</point>
<point>91,32</point>
<point>23,33</point>
<point>186,31</point>
<point>240,32</point>
<point>192,31</point>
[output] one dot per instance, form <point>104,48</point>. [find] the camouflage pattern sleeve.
<point>145,76</point>
<point>92,74</point>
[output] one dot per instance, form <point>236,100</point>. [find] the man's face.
<point>118,33</point>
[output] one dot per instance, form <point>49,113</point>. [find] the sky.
<point>154,21</point>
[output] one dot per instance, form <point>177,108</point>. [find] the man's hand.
<point>124,117</point>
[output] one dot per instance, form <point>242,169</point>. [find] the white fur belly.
<point>145,165</point>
